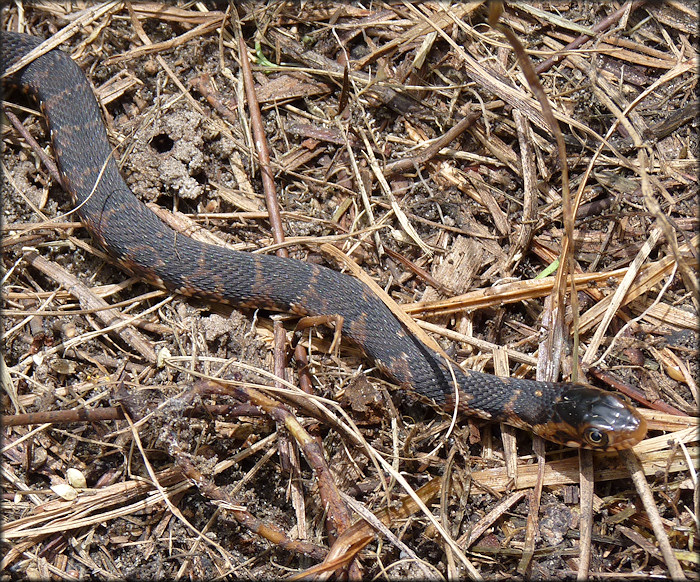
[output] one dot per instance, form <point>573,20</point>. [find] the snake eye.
<point>595,437</point>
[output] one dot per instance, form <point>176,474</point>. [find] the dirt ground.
<point>411,138</point>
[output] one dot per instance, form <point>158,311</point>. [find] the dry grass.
<point>431,164</point>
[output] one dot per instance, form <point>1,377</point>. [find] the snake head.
<point>587,417</point>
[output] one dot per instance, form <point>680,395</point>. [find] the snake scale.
<point>571,414</point>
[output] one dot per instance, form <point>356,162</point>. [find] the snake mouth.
<point>592,437</point>
<point>593,419</point>
<point>630,438</point>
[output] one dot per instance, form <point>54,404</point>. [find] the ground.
<point>465,237</point>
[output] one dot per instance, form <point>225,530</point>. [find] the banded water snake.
<point>566,413</point>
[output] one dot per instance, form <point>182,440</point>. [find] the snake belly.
<point>571,414</point>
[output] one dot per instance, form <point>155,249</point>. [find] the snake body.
<point>566,413</point>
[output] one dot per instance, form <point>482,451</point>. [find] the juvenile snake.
<point>566,413</point>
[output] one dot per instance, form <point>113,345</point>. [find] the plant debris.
<point>147,436</point>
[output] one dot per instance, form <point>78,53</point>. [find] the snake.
<point>569,414</point>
